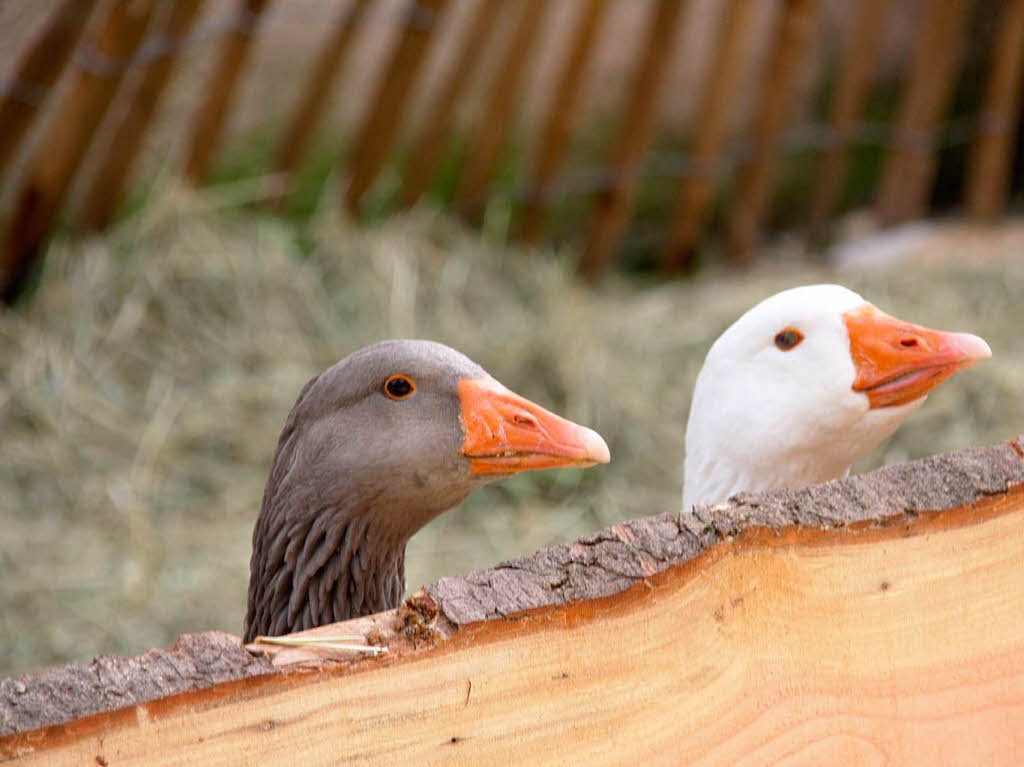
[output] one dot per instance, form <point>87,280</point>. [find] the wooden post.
<point>497,115</point>
<point>858,62</point>
<point>67,138</point>
<point>608,221</point>
<point>371,146</point>
<point>697,192</point>
<point>314,98</point>
<point>42,65</point>
<point>555,135</point>
<point>212,116</point>
<point>991,156</point>
<point>910,165</point>
<point>872,620</point>
<point>426,148</point>
<point>756,178</point>
<point>115,171</point>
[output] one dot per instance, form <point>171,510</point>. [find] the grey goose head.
<point>374,448</point>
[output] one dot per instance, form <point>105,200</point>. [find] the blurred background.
<point>206,203</point>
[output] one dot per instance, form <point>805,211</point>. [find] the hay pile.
<point>143,389</point>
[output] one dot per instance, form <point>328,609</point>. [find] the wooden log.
<point>39,69</point>
<point>697,192</point>
<point>110,682</point>
<point>553,140</point>
<point>757,176</point>
<point>304,122</point>
<point>70,131</point>
<point>910,164</point>
<point>208,128</point>
<point>991,155</point>
<point>858,62</point>
<point>614,204</point>
<point>497,115</point>
<point>874,619</point>
<point>116,168</point>
<point>371,146</point>
<point>427,146</point>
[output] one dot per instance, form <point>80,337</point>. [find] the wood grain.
<point>895,639</point>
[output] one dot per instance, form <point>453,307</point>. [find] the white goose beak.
<point>897,362</point>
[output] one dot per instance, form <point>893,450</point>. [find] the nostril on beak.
<point>524,420</point>
<point>909,343</point>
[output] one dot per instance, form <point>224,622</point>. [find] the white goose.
<point>803,385</point>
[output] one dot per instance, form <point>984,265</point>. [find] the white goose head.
<point>803,385</point>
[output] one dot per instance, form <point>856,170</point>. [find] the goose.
<point>374,448</point>
<point>803,385</point>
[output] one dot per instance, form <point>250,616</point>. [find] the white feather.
<point>764,418</point>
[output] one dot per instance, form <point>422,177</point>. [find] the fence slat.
<point>554,137</point>
<point>859,59</point>
<point>910,164</point>
<point>990,156</point>
<point>497,115</point>
<point>314,99</point>
<point>97,76</point>
<point>608,220</point>
<point>757,177</point>
<point>697,192</point>
<point>42,65</point>
<point>115,170</point>
<point>426,148</point>
<point>212,116</point>
<point>377,131</point>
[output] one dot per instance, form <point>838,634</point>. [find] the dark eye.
<point>788,338</point>
<point>399,387</point>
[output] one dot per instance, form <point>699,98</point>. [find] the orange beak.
<point>506,433</point>
<point>897,362</point>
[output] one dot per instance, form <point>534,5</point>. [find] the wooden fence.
<point>133,46</point>
<point>872,620</point>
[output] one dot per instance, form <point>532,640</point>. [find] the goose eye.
<point>788,339</point>
<point>399,387</point>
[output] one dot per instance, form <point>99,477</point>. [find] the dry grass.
<point>143,389</point>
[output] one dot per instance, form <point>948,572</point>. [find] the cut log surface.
<point>870,620</point>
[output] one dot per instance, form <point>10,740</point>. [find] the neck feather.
<point>713,475</point>
<point>320,566</point>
